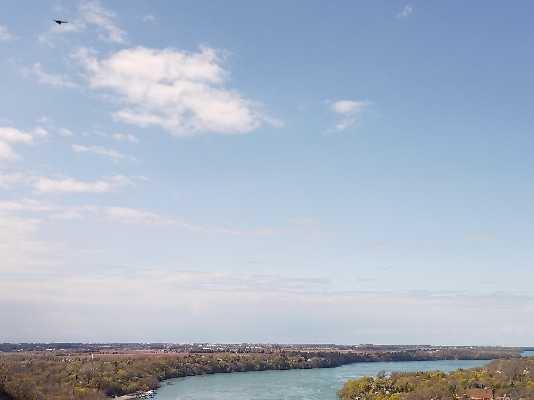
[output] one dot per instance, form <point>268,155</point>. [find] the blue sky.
<point>350,172</point>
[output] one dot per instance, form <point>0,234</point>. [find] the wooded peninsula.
<point>500,380</point>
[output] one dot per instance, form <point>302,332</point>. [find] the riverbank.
<point>26,376</point>
<point>501,379</point>
<point>296,384</point>
<point>137,396</point>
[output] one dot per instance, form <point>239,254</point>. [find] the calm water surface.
<point>304,384</point>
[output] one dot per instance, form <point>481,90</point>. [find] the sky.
<point>293,172</point>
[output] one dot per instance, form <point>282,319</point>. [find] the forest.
<point>504,379</point>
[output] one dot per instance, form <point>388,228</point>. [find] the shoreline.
<point>163,382</point>
<point>192,386</point>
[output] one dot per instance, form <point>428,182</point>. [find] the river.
<point>297,384</point>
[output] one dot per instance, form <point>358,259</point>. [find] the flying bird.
<point>59,22</point>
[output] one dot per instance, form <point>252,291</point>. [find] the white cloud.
<point>13,135</point>
<point>91,14</point>
<point>5,34</point>
<point>10,136</point>
<point>125,137</point>
<point>71,185</point>
<point>183,93</point>
<point>45,78</point>
<point>406,11</point>
<point>348,112</point>
<point>98,150</point>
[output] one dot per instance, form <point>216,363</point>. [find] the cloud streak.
<point>99,151</point>
<point>46,184</point>
<point>71,185</point>
<point>121,214</point>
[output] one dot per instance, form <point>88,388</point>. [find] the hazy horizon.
<point>196,171</point>
<point>271,343</point>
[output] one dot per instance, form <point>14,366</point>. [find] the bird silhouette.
<point>59,22</point>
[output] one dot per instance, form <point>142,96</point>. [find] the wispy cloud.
<point>125,137</point>
<point>149,18</point>
<point>5,34</point>
<point>7,153</point>
<point>65,132</point>
<point>13,135</point>
<point>93,13</point>
<point>347,112</point>
<point>66,184</point>
<point>10,179</point>
<point>90,14</point>
<point>71,185</point>
<point>406,11</point>
<point>56,80</point>
<point>99,151</point>
<point>135,216</point>
<point>183,93</point>
<point>121,214</point>
<point>10,136</point>
<point>48,211</point>
<point>25,205</point>
<point>49,123</point>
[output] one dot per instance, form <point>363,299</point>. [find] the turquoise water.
<point>304,384</point>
